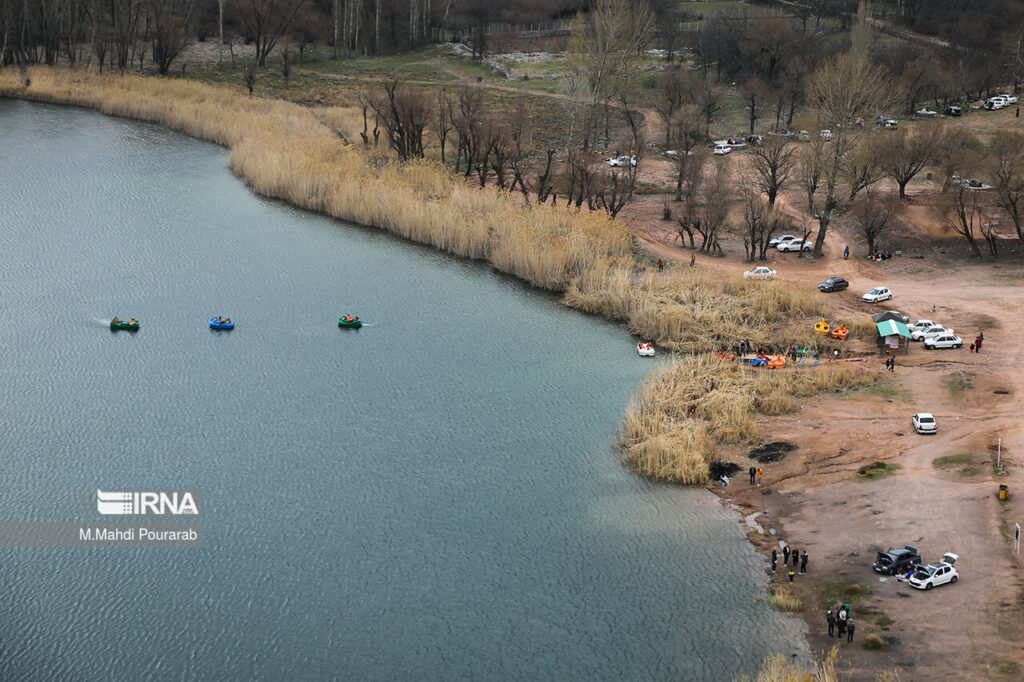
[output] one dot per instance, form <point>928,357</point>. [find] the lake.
<point>433,496</point>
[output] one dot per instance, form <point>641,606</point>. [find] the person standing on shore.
<point>785,555</point>
<point>830,617</point>
<point>661,265</point>
<point>803,563</point>
<point>775,559</point>
<point>693,260</point>
<point>760,475</point>
<point>796,556</point>
<point>977,342</point>
<point>791,574</point>
<point>752,472</point>
<point>849,630</point>
<point>725,483</point>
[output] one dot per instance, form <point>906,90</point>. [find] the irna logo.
<point>149,503</point>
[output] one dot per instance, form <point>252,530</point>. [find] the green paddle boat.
<point>350,323</point>
<point>116,324</point>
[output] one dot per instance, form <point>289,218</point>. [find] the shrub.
<point>875,642</point>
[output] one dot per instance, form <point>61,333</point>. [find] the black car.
<point>896,560</point>
<point>952,111</point>
<point>833,284</point>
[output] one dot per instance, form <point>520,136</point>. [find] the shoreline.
<point>242,148</point>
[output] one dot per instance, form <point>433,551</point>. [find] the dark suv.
<point>896,560</point>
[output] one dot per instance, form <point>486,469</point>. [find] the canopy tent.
<point>892,334</point>
<point>892,328</point>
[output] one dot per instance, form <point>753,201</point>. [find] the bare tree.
<point>874,217</point>
<point>604,46</point>
<point>1007,171</point>
<point>907,152</point>
<point>961,209</point>
<point>842,90</point>
<point>773,161</point>
<point>758,221</point>
<point>672,92</point>
<point>266,21</point>
<point>168,23</point>
<point>404,114</point>
<point>716,207</point>
<point>444,110</point>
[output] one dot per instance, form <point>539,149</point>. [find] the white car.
<point>939,573</point>
<point>878,294</point>
<point>891,123</point>
<point>722,149</point>
<point>826,134</point>
<point>795,245</point>
<point>1010,99</point>
<point>760,272</point>
<point>784,238</point>
<point>995,103</point>
<point>929,332</point>
<point>924,422</point>
<point>944,341</point>
<point>922,324</point>
<point>621,162</point>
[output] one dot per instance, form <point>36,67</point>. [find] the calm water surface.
<point>431,497</point>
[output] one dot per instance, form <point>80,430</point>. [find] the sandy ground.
<point>813,499</point>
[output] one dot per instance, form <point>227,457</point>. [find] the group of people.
<point>881,255</point>
<point>221,320</point>
<point>349,318</point>
<point>117,320</point>
<point>976,346</point>
<point>842,620</point>
<point>890,363</point>
<point>787,553</point>
<point>756,474</point>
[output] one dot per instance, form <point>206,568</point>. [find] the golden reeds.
<point>687,409</point>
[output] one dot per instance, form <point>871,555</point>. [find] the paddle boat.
<point>760,361</point>
<point>777,362</point>
<point>821,327</point>
<point>218,322</point>
<point>840,332</point>
<point>118,324</point>
<point>645,349</point>
<point>350,322</point>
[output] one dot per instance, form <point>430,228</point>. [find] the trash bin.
<point>1004,492</point>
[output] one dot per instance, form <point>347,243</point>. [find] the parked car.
<point>795,245</point>
<point>952,111</point>
<point>891,315</point>
<point>760,272</point>
<point>754,140</point>
<point>1009,99</point>
<point>804,136</point>
<point>995,103</point>
<point>895,561</point>
<point>722,149</point>
<point>924,422</point>
<point>921,324</point>
<point>826,134</point>
<point>833,284</point>
<point>621,162</point>
<point>939,573</point>
<point>891,123</point>
<point>929,332</point>
<point>783,238</point>
<point>944,341</point>
<point>877,295</point>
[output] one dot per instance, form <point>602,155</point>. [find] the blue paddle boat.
<point>217,322</point>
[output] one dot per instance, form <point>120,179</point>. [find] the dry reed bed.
<point>290,152</point>
<point>684,412</point>
<point>690,310</point>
